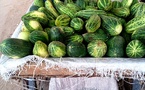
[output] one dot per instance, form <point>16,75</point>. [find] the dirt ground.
<point>10,16</point>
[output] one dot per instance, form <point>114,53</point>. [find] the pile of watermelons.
<point>80,28</point>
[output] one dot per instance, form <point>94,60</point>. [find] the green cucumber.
<point>68,31</point>
<point>63,9</point>
<point>116,46</point>
<point>135,24</point>
<point>16,48</point>
<point>121,12</point>
<point>51,8</point>
<point>56,34</point>
<point>86,14</point>
<point>49,15</point>
<point>74,38</point>
<point>62,20</point>
<point>32,25</point>
<point>57,49</point>
<point>97,48</point>
<point>39,36</point>
<point>93,23</point>
<point>77,24</point>
<point>98,35</point>
<point>81,3</point>
<point>138,34</point>
<point>112,25</point>
<point>37,15</point>
<point>76,49</point>
<point>116,4</point>
<point>40,49</point>
<point>135,49</point>
<point>104,5</point>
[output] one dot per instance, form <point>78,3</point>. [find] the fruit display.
<point>80,28</point>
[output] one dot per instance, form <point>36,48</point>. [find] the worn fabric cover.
<point>83,83</point>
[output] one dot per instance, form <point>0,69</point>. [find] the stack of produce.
<point>80,28</point>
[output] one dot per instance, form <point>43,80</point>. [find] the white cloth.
<point>83,83</point>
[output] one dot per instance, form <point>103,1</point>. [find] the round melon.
<point>135,49</point>
<point>97,48</point>
<point>57,49</point>
<point>76,49</point>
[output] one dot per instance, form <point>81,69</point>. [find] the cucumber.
<point>40,49</point>
<point>104,5</point>
<point>16,48</point>
<point>81,3</point>
<point>121,12</point>
<point>141,10</point>
<point>112,25</point>
<point>37,15</point>
<point>116,46</point>
<point>68,31</point>
<point>135,49</point>
<point>86,14</point>
<point>50,7</point>
<point>138,34</point>
<point>93,23</point>
<point>32,25</point>
<point>49,15</point>
<point>56,34</point>
<point>57,49</point>
<point>134,8</point>
<point>116,4</point>
<point>62,20</point>
<point>39,36</point>
<point>97,48</point>
<point>24,35</point>
<point>76,49</point>
<point>120,19</point>
<point>135,24</point>
<point>73,6</point>
<point>74,38</point>
<point>77,24</point>
<point>98,35</point>
<point>63,9</point>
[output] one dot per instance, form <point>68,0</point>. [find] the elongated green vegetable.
<point>93,23</point>
<point>40,49</point>
<point>32,25</point>
<point>63,9</point>
<point>112,25</point>
<point>37,15</point>
<point>135,24</point>
<point>49,15</point>
<point>104,5</point>
<point>121,12</point>
<point>62,20</point>
<point>86,14</point>
<point>51,8</point>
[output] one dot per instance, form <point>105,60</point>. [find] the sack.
<point>83,83</point>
